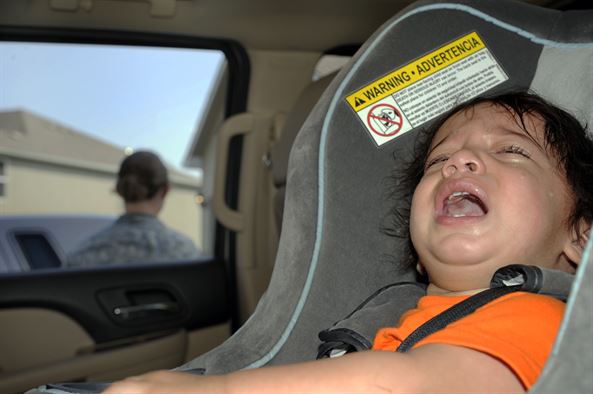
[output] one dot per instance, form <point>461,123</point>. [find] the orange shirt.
<point>518,329</point>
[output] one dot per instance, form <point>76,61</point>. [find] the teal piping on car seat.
<point>503,25</point>
<point>324,131</point>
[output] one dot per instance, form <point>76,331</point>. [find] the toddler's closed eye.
<point>515,149</point>
<point>435,160</point>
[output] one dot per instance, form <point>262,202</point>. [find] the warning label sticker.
<point>426,88</point>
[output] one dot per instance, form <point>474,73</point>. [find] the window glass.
<point>71,113</point>
<point>37,250</point>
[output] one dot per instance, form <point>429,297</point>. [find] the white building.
<point>47,168</point>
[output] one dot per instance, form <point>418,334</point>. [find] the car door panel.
<point>108,322</point>
<point>158,353</point>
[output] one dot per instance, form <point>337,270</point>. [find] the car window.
<point>69,115</point>
<point>38,250</point>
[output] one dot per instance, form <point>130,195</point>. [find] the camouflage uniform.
<point>133,238</point>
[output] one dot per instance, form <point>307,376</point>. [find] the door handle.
<point>144,310</point>
<point>147,303</point>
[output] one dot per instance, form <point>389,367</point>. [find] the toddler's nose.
<point>463,161</point>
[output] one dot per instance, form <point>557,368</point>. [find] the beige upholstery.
<point>281,150</point>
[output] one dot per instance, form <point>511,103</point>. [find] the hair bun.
<point>141,176</point>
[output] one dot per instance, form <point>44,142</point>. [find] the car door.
<point>107,322</point>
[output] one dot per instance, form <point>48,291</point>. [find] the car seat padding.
<point>336,202</point>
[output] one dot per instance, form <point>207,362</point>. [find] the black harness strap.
<point>455,313</point>
<point>387,305</point>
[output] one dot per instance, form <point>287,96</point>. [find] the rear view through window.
<point>71,113</point>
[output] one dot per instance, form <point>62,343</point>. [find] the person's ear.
<point>578,240</point>
<point>165,190</point>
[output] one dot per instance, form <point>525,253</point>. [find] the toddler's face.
<point>491,195</point>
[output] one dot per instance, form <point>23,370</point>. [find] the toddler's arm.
<point>428,369</point>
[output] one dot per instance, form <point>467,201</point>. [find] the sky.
<point>138,97</point>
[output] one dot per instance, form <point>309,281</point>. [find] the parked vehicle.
<point>42,242</point>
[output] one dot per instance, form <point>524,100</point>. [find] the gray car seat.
<point>332,252</point>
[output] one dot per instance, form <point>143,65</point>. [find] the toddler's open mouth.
<point>461,198</point>
<point>463,204</point>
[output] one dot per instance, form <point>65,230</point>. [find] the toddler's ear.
<point>574,248</point>
<point>420,269</point>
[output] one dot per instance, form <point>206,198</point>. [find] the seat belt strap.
<point>454,313</point>
<point>514,277</point>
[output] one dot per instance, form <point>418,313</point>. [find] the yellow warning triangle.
<point>358,101</point>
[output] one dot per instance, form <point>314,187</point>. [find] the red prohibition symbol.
<point>384,120</point>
